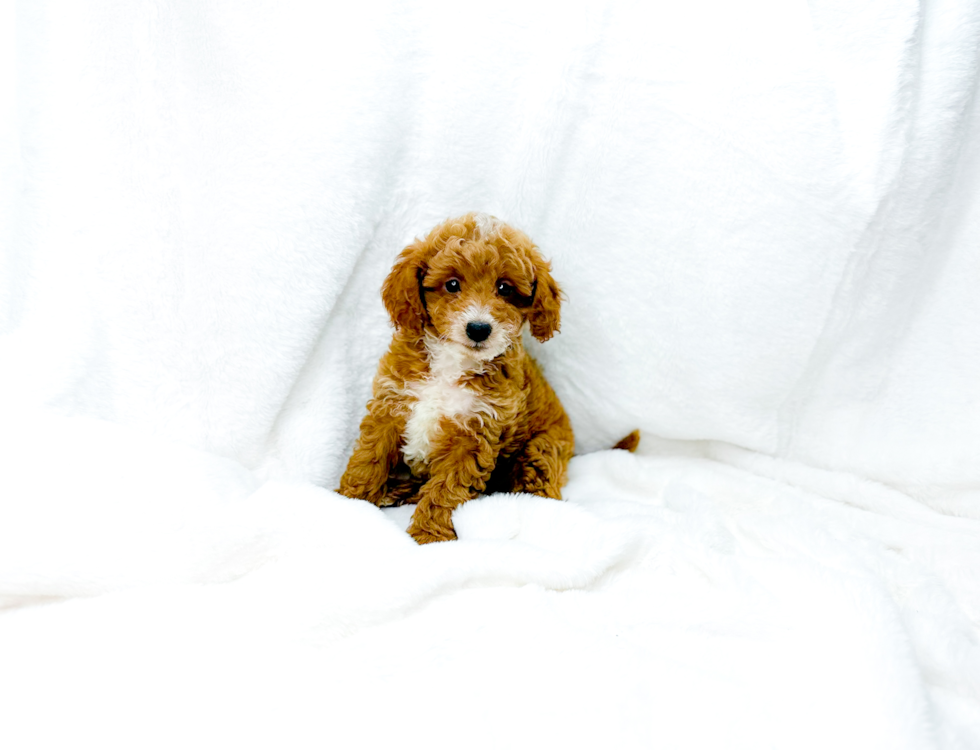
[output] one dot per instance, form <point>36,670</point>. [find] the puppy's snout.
<point>478,331</point>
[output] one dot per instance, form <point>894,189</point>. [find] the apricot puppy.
<point>458,405</point>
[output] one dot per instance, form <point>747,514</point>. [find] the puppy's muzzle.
<point>478,331</point>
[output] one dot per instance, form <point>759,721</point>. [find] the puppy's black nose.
<point>478,331</point>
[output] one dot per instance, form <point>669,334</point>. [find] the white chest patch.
<point>437,396</point>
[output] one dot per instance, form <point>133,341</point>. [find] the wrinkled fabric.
<point>765,218</point>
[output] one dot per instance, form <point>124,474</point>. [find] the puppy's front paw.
<point>431,533</point>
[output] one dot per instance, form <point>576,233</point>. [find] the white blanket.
<point>765,216</point>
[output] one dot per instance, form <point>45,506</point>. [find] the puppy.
<point>458,405</point>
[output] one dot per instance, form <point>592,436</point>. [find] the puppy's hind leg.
<point>374,456</point>
<point>541,467</point>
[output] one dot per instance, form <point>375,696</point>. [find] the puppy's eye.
<point>504,289</point>
<point>452,286</point>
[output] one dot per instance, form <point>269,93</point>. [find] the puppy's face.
<point>476,295</point>
<point>473,283</point>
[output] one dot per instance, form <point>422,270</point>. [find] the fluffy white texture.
<point>667,588</point>
<point>765,216</point>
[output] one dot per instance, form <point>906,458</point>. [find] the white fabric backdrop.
<point>766,217</point>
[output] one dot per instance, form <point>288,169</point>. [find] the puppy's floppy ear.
<point>402,291</point>
<point>545,313</point>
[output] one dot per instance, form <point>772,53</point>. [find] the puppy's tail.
<point>629,443</point>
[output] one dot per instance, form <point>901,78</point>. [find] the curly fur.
<point>452,416</point>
